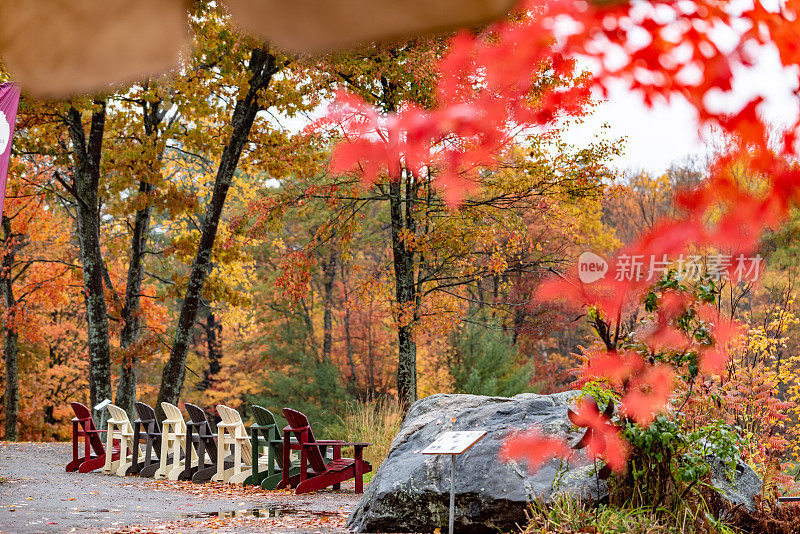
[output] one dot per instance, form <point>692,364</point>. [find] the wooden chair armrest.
<point>338,443</point>
<point>359,444</point>
<point>280,441</point>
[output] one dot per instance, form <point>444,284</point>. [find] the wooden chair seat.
<point>119,430</point>
<point>340,464</point>
<point>198,430</point>
<point>94,455</point>
<point>315,474</point>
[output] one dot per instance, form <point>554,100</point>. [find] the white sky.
<point>659,136</point>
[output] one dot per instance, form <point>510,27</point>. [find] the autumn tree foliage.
<point>43,346</point>
<point>122,139</point>
<point>488,81</point>
<point>444,262</point>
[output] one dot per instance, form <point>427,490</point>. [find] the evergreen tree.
<point>484,361</point>
<point>298,378</point>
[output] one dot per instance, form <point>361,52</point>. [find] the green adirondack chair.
<point>266,433</point>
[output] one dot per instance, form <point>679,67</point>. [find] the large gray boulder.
<point>410,491</point>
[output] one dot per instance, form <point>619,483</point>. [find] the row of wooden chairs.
<point>178,449</point>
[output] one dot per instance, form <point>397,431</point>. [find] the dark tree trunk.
<point>519,322</point>
<point>213,330</point>
<point>10,347</point>
<point>348,337</point>
<point>371,363</point>
<point>328,274</point>
<point>85,182</point>
<point>262,67</point>
<point>305,313</point>
<point>402,218</point>
<point>131,316</point>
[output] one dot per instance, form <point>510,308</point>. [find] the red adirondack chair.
<point>315,474</point>
<point>94,456</point>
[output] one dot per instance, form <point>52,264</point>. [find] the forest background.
<point>183,239</point>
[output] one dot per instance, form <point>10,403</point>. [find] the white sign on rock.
<point>454,442</point>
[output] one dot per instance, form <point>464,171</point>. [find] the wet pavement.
<point>38,495</point>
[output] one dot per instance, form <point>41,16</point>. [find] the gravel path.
<point>38,495</point>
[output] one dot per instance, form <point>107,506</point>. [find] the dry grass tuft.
<point>375,422</point>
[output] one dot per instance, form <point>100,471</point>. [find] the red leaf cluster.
<point>602,439</point>
<point>648,392</point>
<point>488,88</point>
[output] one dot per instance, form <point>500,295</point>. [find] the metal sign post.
<point>454,443</point>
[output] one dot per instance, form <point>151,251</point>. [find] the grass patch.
<point>568,515</point>
<point>375,422</point>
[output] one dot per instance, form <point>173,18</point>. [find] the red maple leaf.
<point>713,361</point>
<point>665,336</point>
<point>672,305</point>
<point>724,328</point>
<point>534,448</point>
<point>602,439</point>
<point>648,393</point>
<point>613,366</point>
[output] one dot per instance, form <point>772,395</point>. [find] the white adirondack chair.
<point>233,438</point>
<point>119,428</point>
<point>173,440</point>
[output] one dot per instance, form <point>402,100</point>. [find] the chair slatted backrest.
<point>146,428</point>
<point>174,414</point>
<point>147,417</point>
<point>263,416</point>
<point>120,417</point>
<point>265,419</point>
<point>202,427</point>
<point>175,418</point>
<point>85,420</point>
<point>234,419</point>
<point>299,424</point>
